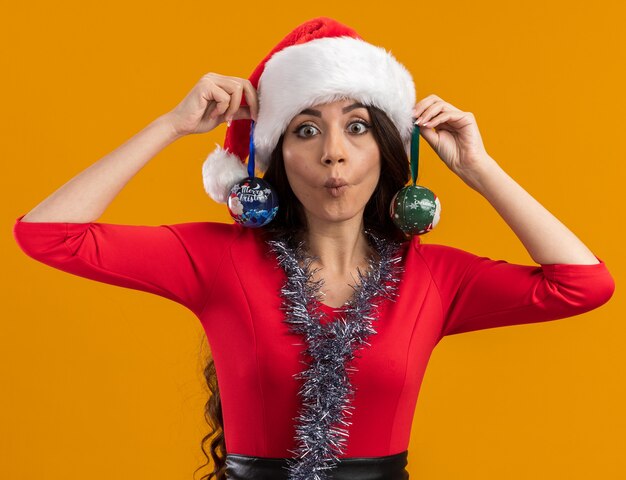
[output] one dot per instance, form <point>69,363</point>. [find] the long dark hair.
<point>291,219</point>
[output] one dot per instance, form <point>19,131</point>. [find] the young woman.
<point>322,322</point>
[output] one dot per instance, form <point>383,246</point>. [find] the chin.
<point>337,214</point>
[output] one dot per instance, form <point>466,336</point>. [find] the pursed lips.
<point>336,186</point>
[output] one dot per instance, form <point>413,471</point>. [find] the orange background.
<point>102,382</point>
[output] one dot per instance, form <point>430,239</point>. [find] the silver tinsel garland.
<point>327,393</point>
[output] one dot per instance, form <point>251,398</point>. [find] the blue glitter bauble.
<point>252,202</point>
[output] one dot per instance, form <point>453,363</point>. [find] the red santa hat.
<point>320,61</point>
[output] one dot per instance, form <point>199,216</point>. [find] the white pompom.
<point>220,171</point>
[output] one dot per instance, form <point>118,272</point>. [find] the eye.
<point>305,130</point>
<point>363,127</point>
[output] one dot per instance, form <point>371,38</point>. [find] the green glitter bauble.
<point>415,210</point>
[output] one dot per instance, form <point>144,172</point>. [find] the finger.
<point>431,136</point>
<point>243,113</point>
<point>434,110</point>
<point>236,93</point>
<point>455,119</point>
<point>221,99</point>
<point>252,99</point>
<point>430,112</point>
<point>423,104</point>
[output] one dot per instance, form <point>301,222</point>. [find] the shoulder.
<point>217,235</point>
<point>206,229</point>
<point>435,251</point>
<point>443,261</point>
<point>203,235</point>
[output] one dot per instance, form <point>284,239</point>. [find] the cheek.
<point>369,170</point>
<point>299,176</point>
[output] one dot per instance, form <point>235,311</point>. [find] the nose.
<point>334,147</point>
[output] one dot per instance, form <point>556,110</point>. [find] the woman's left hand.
<point>455,139</point>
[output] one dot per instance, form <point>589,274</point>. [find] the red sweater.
<point>227,276</point>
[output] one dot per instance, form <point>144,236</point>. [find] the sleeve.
<point>178,262</point>
<point>479,292</point>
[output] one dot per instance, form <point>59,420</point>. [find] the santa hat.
<point>320,61</point>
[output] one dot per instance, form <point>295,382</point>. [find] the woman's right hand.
<point>213,100</point>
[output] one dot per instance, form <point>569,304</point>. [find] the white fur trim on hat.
<point>220,171</point>
<point>325,70</point>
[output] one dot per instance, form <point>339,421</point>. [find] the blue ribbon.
<point>251,155</point>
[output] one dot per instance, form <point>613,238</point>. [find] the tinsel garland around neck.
<point>327,393</point>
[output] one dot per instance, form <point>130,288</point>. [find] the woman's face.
<point>332,160</point>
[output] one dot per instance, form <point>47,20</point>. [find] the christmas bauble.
<point>252,202</point>
<point>415,210</point>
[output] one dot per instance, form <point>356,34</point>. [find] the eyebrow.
<point>317,113</point>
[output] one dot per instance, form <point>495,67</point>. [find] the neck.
<point>339,246</point>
